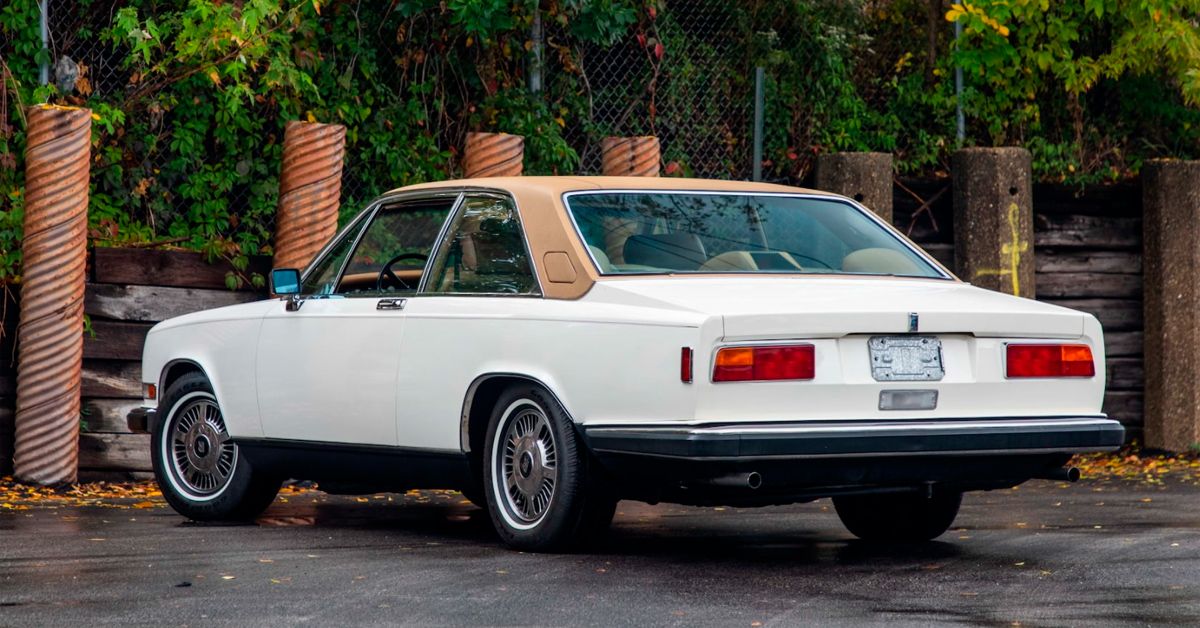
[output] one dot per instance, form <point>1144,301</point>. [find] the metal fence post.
<point>310,191</point>
<point>50,332</point>
<point>493,155</point>
<point>759,79</point>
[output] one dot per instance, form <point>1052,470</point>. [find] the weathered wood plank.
<point>155,303</point>
<point>114,340</point>
<point>1099,232</point>
<point>180,269</point>
<point>107,416</point>
<point>1085,261</point>
<point>112,379</point>
<point>1114,314</point>
<point>119,452</point>
<point>1123,343</point>
<point>1124,406</point>
<point>1087,285</point>
<point>1125,374</point>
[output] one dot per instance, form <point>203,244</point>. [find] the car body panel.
<point>338,372</point>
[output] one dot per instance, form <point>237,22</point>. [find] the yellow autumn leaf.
<point>317,6</point>
<point>214,77</point>
<point>311,117</point>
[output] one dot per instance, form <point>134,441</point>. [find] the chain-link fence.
<point>687,80</point>
<point>684,72</point>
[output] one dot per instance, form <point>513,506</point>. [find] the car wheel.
<point>199,470</point>
<point>911,517</point>
<point>536,474</point>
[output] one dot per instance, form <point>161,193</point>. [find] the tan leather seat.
<point>879,261</point>
<point>730,261</point>
<point>606,265</point>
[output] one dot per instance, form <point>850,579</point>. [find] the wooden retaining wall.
<point>128,291</point>
<point>1088,246</point>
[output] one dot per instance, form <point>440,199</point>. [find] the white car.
<point>551,345</point>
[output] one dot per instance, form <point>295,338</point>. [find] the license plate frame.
<point>906,358</point>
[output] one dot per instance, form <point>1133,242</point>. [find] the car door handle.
<point>391,304</point>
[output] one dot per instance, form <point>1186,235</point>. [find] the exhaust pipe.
<point>751,480</point>
<point>1063,474</point>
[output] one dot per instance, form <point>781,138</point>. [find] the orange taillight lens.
<point>1049,360</point>
<point>746,364</point>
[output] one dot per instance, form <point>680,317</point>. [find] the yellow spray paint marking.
<point>1011,250</point>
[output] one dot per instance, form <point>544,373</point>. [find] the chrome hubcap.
<point>202,455</point>
<point>529,465</point>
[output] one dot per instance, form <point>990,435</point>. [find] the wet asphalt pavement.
<point>1045,554</point>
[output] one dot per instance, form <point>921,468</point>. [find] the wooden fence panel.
<point>130,290</point>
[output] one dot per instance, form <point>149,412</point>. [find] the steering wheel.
<point>386,271</point>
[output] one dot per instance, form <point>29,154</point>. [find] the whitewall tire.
<point>543,492</point>
<point>198,468</point>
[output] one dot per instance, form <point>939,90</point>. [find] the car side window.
<point>483,252</point>
<point>323,277</point>
<point>393,252</point>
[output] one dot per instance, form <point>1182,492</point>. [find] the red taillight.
<point>745,364</point>
<point>685,365</point>
<point>1050,361</point>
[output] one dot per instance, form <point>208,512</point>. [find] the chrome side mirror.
<point>285,281</point>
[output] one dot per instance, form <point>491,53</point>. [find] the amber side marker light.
<point>1049,360</point>
<point>149,391</point>
<point>759,364</point>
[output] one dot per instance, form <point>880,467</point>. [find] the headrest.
<point>676,251</point>
<point>879,261</point>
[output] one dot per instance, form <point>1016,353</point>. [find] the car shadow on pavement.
<point>656,532</point>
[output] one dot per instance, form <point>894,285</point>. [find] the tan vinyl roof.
<point>563,264</point>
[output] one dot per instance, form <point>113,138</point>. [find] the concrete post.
<point>864,177</point>
<point>630,156</point>
<point>493,155</point>
<point>50,333</point>
<point>1171,206</point>
<point>310,191</point>
<point>993,219</point>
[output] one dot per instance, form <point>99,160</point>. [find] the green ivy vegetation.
<point>186,152</point>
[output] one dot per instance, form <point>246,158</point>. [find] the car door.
<point>327,369</point>
<point>478,307</point>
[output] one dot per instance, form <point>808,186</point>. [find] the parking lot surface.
<point>1045,554</point>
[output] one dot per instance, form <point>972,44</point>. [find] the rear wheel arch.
<point>480,401</point>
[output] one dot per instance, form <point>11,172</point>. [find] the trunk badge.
<point>913,322</point>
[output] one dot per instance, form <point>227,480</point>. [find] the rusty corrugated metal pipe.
<point>310,190</point>
<point>50,332</point>
<point>493,155</point>
<point>630,156</point>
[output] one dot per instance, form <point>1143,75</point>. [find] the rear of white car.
<point>846,362</point>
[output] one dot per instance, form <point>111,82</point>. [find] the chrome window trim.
<point>486,192</point>
<point>368,215</point>
<point>362,216</point>
<point>855,205</point>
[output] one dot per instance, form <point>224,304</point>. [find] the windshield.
<point>692,232</point>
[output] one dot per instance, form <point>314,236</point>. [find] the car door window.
<point>483,252</point>
<point>392,254</point>
<point>322,278</point>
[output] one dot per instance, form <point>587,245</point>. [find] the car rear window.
<point>693,232</point>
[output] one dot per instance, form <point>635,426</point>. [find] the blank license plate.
<point>906,358</point>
